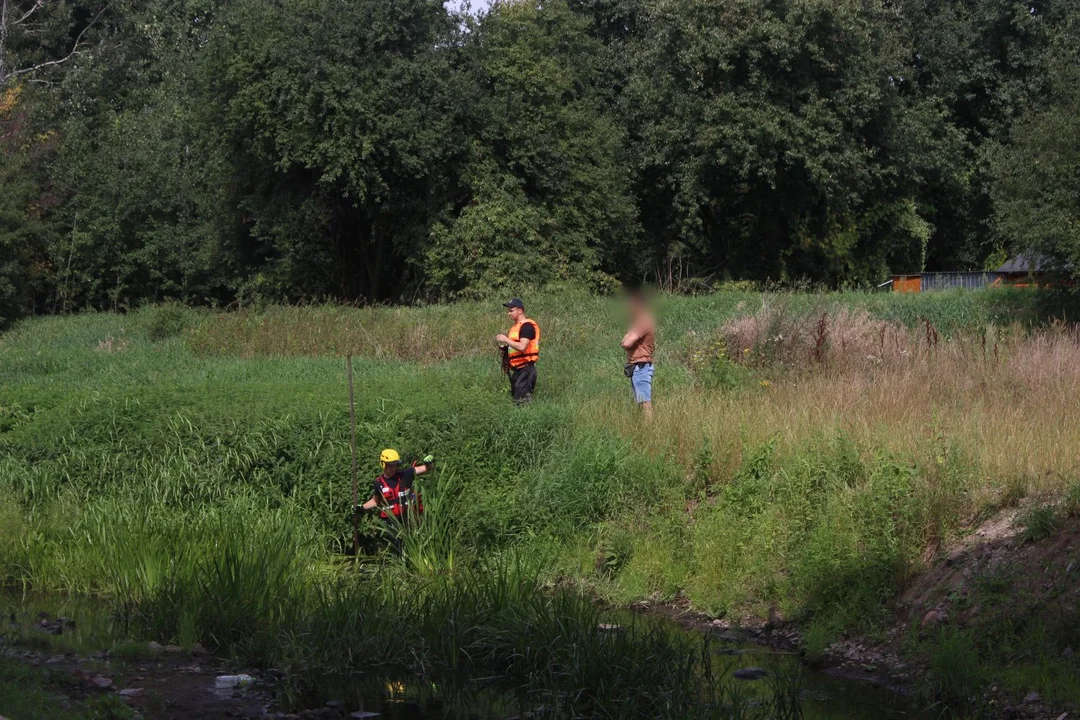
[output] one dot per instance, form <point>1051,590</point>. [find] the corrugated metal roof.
<point>1023,263</point>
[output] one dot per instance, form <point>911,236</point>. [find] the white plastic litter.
<point>231,681</point>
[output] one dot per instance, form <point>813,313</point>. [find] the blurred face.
<point>515,314</point>
<point>391,469</point>
<point>635,305</point>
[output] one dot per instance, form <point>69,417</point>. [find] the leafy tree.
<point>547,187</point>
<point>1037,189</point>
<point>343,126</point>
<point>980,64</point>
<point>41,36</point>
<point>385,150</point>
<point>768,134</point>
<point>25,203</point>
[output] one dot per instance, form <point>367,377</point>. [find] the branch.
<point>37,6</point>
<point>61,61</point>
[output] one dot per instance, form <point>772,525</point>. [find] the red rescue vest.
<point>531,353</point>
<point>397,501</point>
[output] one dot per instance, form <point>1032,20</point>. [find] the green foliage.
<point>1037,194</point>
<point>766,100</point>
<point>1039,523</point>
<point>165,321</point>
<point>395,150</point>
<point>201,483</point>
<point>956,674</point>
<point>715,368</point>
<point>548,175</point>
<point>1072,500</point>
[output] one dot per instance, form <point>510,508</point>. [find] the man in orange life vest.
<point>522,345</point>
<point>393,491</point>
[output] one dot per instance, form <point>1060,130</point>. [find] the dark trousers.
<point>522,383</point>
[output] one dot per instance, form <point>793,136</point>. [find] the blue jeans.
<point>641,382</point>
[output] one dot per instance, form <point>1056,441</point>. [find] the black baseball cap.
<point>515,303</point>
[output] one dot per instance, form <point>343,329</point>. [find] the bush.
<point>162,322</point>
<point>1039,523</point>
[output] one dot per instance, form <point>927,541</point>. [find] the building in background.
<point>1020,271</point>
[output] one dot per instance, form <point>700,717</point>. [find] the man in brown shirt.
<point>640,344</point>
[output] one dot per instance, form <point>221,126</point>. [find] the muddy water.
<point>407,698</point>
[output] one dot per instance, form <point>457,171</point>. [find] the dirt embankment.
<point>1002,577</point>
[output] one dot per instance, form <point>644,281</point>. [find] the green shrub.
<point>1072,499</point>
<point>162,322</point>
<point>956,675</point>
<point>1039,523</point>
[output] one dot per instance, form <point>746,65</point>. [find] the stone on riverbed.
<point>752,673</point>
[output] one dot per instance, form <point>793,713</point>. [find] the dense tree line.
<point>390,150</point>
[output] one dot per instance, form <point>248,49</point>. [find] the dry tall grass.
<point>1005,398</point>
<point>425,336</point>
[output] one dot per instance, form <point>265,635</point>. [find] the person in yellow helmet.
<point>393,492</point>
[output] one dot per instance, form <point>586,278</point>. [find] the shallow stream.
<point>96,629</point>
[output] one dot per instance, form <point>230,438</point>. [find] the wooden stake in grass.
<point>352,428</point>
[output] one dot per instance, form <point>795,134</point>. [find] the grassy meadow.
<point>809,454</point>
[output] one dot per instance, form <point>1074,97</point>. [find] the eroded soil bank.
<point>991,629</point>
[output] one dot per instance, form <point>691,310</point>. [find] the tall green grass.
<point>194,467</point>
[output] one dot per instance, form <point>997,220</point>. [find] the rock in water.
<point>103,683</point>
<point>130,692</point>
<point>361,714</point>
<point>752,673</point>
<point>1032,697</point>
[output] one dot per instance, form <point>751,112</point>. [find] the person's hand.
<point>500,338</point>
<point>429,459</point>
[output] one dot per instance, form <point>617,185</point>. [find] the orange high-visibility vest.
<point>531,353</point>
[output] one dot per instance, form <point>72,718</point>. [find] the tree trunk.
<point>3,40</point>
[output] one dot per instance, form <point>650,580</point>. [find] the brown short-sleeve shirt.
<point>643,349</point>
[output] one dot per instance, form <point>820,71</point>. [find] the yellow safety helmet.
<point>389,455</point>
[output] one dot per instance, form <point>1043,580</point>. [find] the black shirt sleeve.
<point>528,332</point>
